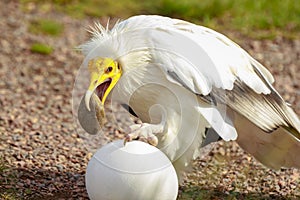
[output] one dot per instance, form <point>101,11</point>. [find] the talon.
<point>152,140</point>
<point>129,137</point>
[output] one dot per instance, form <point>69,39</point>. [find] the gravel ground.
<point>43,156</point>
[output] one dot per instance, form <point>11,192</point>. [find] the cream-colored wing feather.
<point>205,61</point>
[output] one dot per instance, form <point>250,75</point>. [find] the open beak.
<point>104,74</point>
<point>100,90</point>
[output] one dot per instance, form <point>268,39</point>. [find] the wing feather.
<point>262,110</point>
<point>206,61</point>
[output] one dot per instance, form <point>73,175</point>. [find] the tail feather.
<point>275,150</point>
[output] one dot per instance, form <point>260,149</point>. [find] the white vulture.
<point>186,83</point>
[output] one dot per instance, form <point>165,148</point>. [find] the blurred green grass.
<point>46,26</point>
<point>41,48</point>
<point>258,19</point>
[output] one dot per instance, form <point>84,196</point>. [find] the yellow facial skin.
<point>102,69</point>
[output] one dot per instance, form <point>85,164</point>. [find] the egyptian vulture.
<point>187,83</point>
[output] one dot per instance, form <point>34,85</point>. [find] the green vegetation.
<point>261,18</point>
<point>7,194</point>
<point>3,165</point>
<point>245,15</point>
<point>92,8</point>
<point>46,26</point>
<point>41,48</point>
<point>197,193</point>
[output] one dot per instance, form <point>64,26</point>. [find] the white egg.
<point>136,171</point>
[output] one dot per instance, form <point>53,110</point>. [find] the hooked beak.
<point>87,98</point>
<point>104,73</point>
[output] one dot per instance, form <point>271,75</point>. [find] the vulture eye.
<point>109,69</point>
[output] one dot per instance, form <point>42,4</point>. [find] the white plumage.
<point>183,79</point>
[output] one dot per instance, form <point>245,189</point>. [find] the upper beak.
<point>87,98</point>
<point>94,82</point>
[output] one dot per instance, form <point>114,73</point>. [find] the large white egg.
<point>136,171</point>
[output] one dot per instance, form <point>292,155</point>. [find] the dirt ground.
<point>43,155</point>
